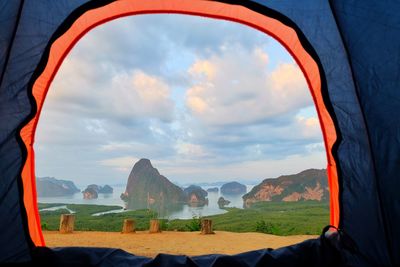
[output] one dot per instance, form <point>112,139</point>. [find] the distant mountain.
<point>52,187</point>
<point>203,184</point>
<point>146,187</point>
<point>213,190</point>
<point>311,184</point>
<point>221,183</point>
<point>106,189</point>
<point>233,188</point>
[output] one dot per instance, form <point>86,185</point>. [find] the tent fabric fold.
<point>324,251</point>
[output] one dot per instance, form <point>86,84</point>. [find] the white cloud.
<point>310,127</point>
<point>289,87</point>
<point>96,126</point>
<point>234,88</point>
<point>260,169</point>
<point>137,94</point>
<point>203,67</point>
<point>102,94</point>
<point>121,164</point>
<point>113,146</point>
<point>191,150</point>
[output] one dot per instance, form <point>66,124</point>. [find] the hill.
<point>311,184</point>
<point>233,188</point>
<point>146,188</point>
<point>52,187</point>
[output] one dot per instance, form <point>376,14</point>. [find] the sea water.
<point>186,211</point>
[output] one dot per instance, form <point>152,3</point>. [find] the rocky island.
<point>233,188</point>
<point>146,188</point>
<point>310,184</point>
<point>195,196</point>
<point>222,202</point>
<point>92,191</point>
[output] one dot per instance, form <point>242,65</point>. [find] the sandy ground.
<point>188,243</point>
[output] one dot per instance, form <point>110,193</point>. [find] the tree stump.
<point>128,227</point>
<point>154,226</point>
<point>206,227</point>
<point>67,222</point>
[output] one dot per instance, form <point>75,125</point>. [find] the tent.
<point>349,52</point>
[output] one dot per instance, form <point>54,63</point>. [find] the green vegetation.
<point>194,224</point>
<point>282,218</point>
<point>278,218</point>
<point>263,227</point>
<point>49,205</point>
<point>84,220</point>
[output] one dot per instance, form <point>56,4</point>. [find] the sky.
<point>205,100</point>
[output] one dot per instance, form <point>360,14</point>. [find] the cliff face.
<point>147,187</point>
<point>51,187</point>
<point>310,184</point>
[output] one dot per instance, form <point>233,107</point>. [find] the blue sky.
<point>204,99</point>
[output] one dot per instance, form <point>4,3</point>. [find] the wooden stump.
<point>67,223</point>
<point>154,226</point>
<point>128,227</point>
<point>206,227</point>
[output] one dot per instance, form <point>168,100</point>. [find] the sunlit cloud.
<point>237,89</point>
<point>138,94</point>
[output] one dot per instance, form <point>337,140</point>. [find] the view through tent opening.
<point>206,109</point>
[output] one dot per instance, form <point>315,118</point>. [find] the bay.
<point>184,212</point>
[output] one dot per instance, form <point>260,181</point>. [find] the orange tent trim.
<point>92,18</point>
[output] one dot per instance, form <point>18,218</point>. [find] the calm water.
<point>185,212</point>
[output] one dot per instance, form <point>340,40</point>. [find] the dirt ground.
<point>187,243</point>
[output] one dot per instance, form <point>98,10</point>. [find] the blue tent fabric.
<point>12,248</point>
<point>374,56</point>
<point>357,47</point>
<point>324,251</point>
